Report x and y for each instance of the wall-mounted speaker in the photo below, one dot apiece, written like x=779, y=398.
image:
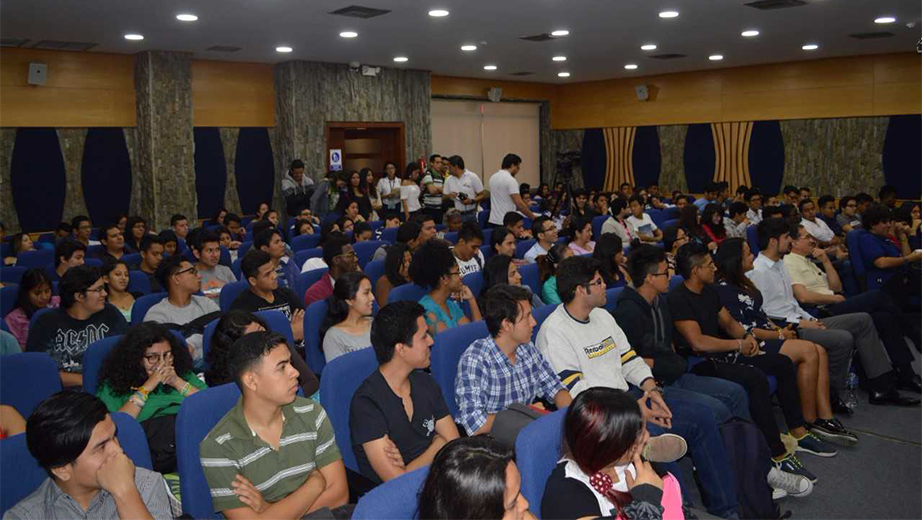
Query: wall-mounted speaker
x=495, y=94
x=38, y=73
x=643, y=92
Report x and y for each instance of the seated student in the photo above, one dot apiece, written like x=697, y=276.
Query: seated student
x=906, y=218
x=580, y=236
x=347, y=326
x=21, y=243
x=396, y=271
x=83, y=230
x=152, y=250
x=885, y=262
x=515, y=223
x=361, y=232
x=64, y=230
x=231, y=327
x=474, y=477
x=225, y=240
x=148, y=375
x=67, y=253
x=504, y=367
x=34, y=295
x=712, y=223
x=390, y=221
x=467, y=250
x=410, y=234
x=398, y=418
x=609, y=251
x=295, y=429
x=134, y=230
x=680, y=200
x=270, y=241
x=454, y=220
x=586, y=348
x=340, y=256
x=601, y=473
x=427, y=227
x=847, y=217
x=818, y=228
x=115, y=274
x=502, y=242
x=602, y=206
x=265, y=294
x=207, y=249
x=743, y=301
x=501, y=269
x=736, y=226
x=839, y=335
x=272, y=216
x=812, y=286
x=673, y=238
x=234, y=225
x=702, y=323
x=434, y=267
x=180, y=225
x=218, y=219
x=303, y=226
x=547, y=272
x=545, y=235
x=643, y=315
x=826, y=207
x=617, y=223
x=113, y=242
x=345, y=223
x=83, y=318
x=183, y=308
x=640, y=223
x=753, y=199
x=169, y=241
x=72, y=437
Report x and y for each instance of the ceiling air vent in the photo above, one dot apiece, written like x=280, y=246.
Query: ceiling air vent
x=871, y=35
x=538, y=37
x=358, y=11
x=223, y=48
x=768, y=5
x=672, y=56
x=13, y=42
x=522, y=73
x=63, y=46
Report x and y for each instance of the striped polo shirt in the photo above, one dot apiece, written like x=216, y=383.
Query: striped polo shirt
x=232, y=447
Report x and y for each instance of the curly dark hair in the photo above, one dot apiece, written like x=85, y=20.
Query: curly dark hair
x=228, y=330
x=431, y=262
x=123, y=368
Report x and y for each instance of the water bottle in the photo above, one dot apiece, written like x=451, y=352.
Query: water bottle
x=851, y=390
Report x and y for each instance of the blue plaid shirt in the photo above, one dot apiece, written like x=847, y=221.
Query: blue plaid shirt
x=487, y=382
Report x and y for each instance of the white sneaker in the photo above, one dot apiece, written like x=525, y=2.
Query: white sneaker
x=793, y=485
x=778, y=493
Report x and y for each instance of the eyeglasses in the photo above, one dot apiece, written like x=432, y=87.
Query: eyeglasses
x=664, y=273
x=192, y=270
x=100, y=289
x=596, y=283
x=454, y=273
x=153, y=359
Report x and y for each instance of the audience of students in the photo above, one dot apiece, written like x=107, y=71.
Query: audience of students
x=34, y=295
x=434, y=267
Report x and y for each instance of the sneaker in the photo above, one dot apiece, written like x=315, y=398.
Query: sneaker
x=791, y=464
x=667, y=447
x=778, y=493
x=831, y=430
x=790, y=484
x=812, y=444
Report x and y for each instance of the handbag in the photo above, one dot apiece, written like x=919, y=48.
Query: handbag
x=508, y=423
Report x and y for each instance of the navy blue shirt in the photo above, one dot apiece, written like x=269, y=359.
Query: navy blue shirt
x=873, y=247
x=833, y=224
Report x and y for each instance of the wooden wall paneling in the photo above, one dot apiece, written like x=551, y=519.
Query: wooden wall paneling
x=229, y=94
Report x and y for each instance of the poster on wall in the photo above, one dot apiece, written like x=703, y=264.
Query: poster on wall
x=336, y=159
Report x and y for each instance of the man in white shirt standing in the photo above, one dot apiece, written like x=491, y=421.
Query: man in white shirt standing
x=504, y=191
x=464, y=187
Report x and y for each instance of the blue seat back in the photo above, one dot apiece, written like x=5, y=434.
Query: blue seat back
x=853, y=241
x=531, y=277
x=389, y=235
x=37, y=258
x=365, y=250
x=306, y=280
x=451, y=236
x=302, y=255
x=375, y=224
x=523, y=246
x=93, y=359
x=94, y=262
x=20, y=474
x=302, y=242
x=752, y=238
x=447, y=351
x=244, y=247
x=26, y=380
x=612, y=296
x=669, y=223
x=207, y=334
x=277, y=323
x=132, y=258
x=658, y=216
x=235, y=267
x=143, y=304
x=474, y=281
x=597, y=226
x=487, y=235
x=38, y=313
x=406, y=292
x=537, y=450
x=138, y=282
x=337, y=386
x=230, y=292
x=199, y=413
x=8, y=296
x=487, y=251
x=540, y=314
x=397, y=498
x=11, y=274
x=482, y=217
x=675, y=281
x=225, y=258
x=374, y=270
x=313, y=319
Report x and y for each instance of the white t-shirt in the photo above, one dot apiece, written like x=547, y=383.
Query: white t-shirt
x=468, y=184
x=386, y=187
x=641, y=226
x=818, y=229
x=410, y=193
x=502, y=187
x=473, y=265
x=531, y=256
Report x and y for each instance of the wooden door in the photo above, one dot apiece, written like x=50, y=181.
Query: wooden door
x=367, y=144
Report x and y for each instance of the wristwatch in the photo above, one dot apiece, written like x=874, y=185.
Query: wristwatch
x=657, y=389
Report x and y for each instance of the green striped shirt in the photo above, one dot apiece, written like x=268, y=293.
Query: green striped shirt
x=232, y=447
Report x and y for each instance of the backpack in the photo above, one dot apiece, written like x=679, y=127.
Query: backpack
x=750, y=461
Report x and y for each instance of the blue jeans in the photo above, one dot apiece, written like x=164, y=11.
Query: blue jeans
x=725, y=398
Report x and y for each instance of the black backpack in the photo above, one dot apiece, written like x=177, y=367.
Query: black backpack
x=750, y=461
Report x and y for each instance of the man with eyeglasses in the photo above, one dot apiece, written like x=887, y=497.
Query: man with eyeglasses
x=182, y=308
x=83, y=318
x=83, y=230
x=753, y=198
x=545, y=231
x=341, y=259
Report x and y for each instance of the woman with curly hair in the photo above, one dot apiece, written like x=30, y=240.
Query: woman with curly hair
x=148, y=375
x=434, y=267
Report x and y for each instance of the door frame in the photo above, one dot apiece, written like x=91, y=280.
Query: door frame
x=400, y=126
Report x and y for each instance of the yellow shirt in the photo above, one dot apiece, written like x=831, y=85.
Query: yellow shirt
x=803, y=271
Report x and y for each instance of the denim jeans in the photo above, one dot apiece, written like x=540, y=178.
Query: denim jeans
x=724, y=398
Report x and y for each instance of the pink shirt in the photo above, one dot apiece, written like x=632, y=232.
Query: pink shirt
x=582, y=251
x=19, y=325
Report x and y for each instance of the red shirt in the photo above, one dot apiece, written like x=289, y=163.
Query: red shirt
x=321, y=290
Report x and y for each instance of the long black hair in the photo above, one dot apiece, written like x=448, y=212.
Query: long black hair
x=393, y=263
x=729, y=262
x=133, y=243
x=496, y=270
x=229, y=329
x=707, y=219
x=347, y=286
x=32, y=278
x=123, y=368
x=606, y=248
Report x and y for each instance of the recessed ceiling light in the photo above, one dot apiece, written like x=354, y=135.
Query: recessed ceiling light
x=134, y=37
x=348, y=34
x=489, y=67
x=401, y=59
x=630, y=66
x=885, y=19
x=715, y=57
x=750, y=33
x=563, y=74
x=560, y=32
x=810, y=47
x=669, y=14
x=438, y=13
x=468, y=48
x=559, y=58
x=648, y=47
x=283, y=49
x=186, y=17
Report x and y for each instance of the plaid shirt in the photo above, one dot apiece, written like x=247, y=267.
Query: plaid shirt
x=487, y=382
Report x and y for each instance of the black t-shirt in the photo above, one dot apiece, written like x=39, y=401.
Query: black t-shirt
x=376, y=411
x=703, y=308
x=66, y=339
x=285, y=301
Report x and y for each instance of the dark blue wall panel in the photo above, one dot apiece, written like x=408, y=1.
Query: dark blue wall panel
x=254, y=169
x=593, y=162
x=700, y=158
x=210, y=171
x=901, y=157
x=646, y=157
x=106, y=175
x=38, y=179
x=766, y=157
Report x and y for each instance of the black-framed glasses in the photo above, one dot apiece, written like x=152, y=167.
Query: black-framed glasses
x=454, y=273
x=153, y=359
x=100, y=289
x=192, y=270
x=347, y=254
x=596, y=283
x=664, y=273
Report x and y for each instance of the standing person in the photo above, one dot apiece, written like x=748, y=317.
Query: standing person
x=340, y=256
x=398, y=419
x=370, y=185
x=151, y=255
x=34, y=295
x=435, y=268
x=180, y=225
x=409, y=191
x=297, y=188
x=67, y=253
x=356, y=192
x=326, y=197
x=115, y=274
x=432, y=185
x=546, y=234
x=504, y=191
x=347, y=326
x=265, y=294
x=83, y=318
x=389, y=190
x=396, y=271
x=464, y=188
x=467, y=250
